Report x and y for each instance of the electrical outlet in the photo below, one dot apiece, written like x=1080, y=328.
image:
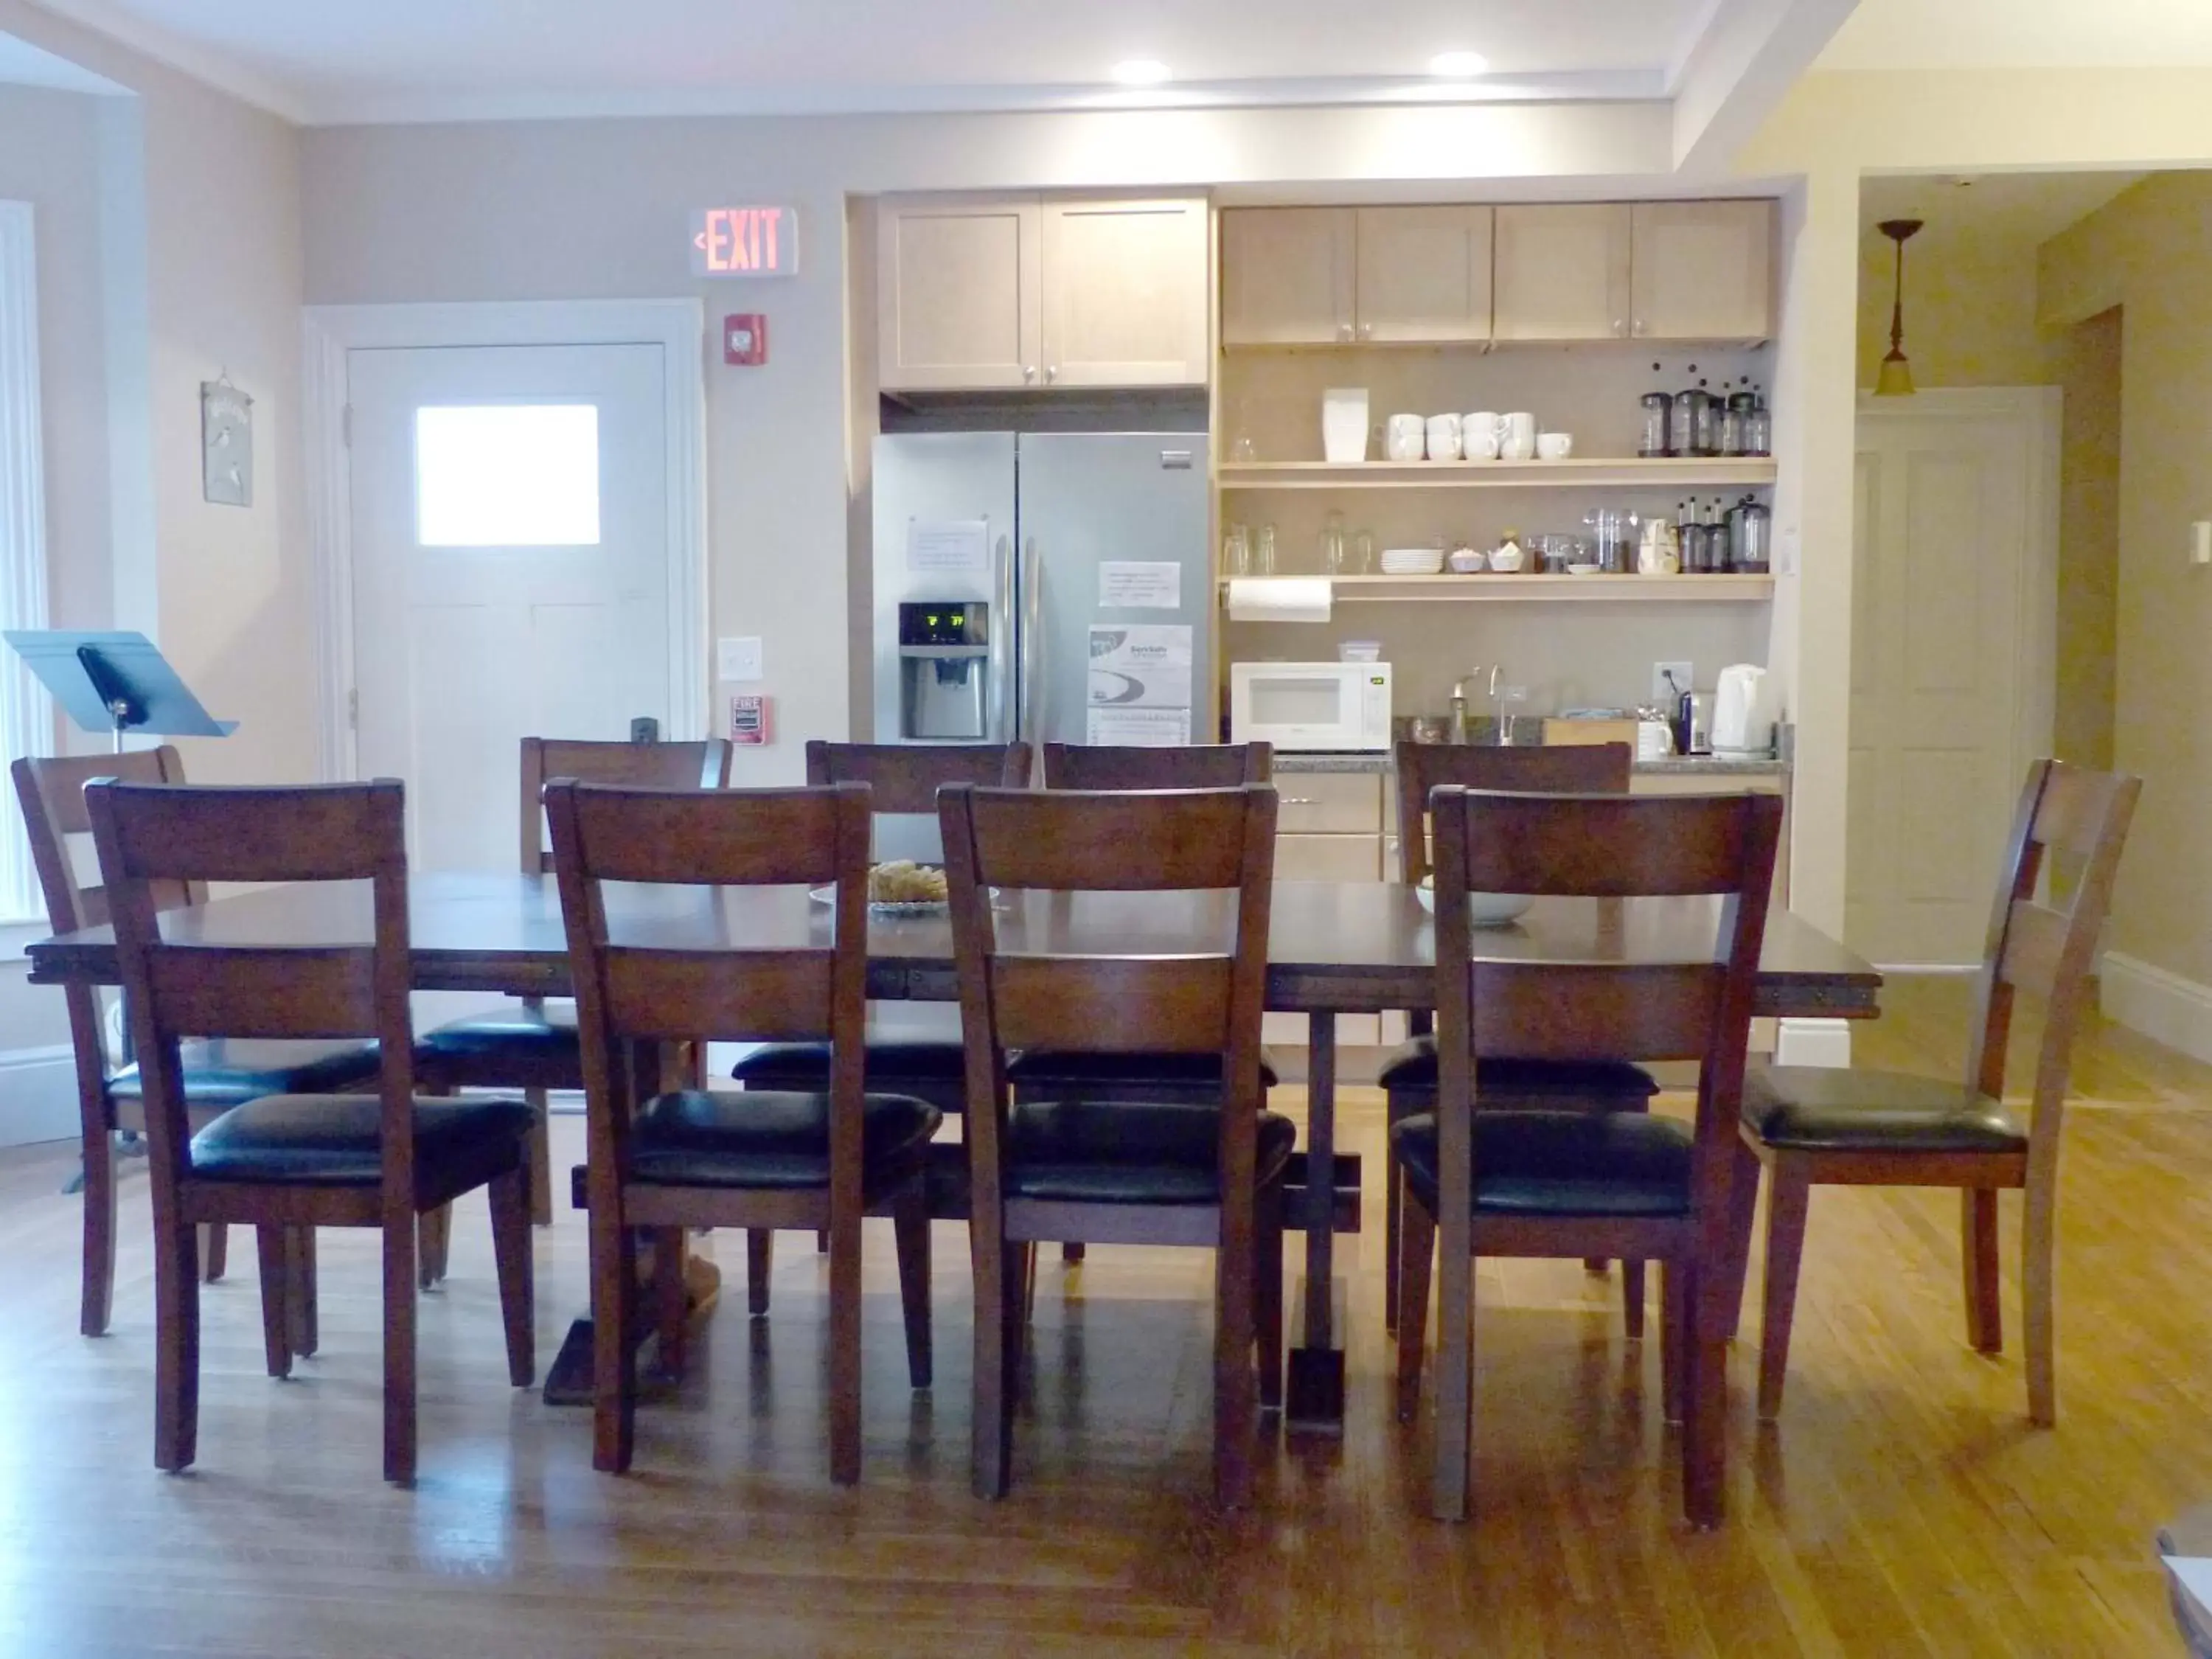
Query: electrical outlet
x=1684, y=674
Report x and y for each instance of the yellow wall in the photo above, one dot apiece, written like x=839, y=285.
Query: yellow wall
x=2147, y=249
x=1969, y=309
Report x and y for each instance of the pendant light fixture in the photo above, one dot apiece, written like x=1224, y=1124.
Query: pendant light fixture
x=1895, y=379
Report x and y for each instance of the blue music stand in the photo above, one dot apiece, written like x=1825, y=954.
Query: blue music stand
x=115, y=683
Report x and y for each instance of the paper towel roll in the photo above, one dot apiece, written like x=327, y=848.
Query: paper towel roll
x=1279, y=599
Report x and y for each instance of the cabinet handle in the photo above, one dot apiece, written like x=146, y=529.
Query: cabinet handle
x=1619, y=326
x=1028, y=371
x=1301, y=800
x=1639, y=325
x=1367, y=331
x=1344, y=330
x=1051, y=373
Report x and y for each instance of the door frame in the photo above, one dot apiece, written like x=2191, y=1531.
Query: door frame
x=2035, y=620
x=329, y=332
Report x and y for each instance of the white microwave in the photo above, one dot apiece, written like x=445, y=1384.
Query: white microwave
x=1310, y=704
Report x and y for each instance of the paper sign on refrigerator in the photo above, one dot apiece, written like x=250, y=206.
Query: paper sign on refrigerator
x=948, y=547
x=1141, y=666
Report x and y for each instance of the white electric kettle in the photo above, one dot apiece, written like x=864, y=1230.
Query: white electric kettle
x=1745, y=709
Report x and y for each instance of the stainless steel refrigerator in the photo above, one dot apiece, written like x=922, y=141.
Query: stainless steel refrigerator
x=1053, y=587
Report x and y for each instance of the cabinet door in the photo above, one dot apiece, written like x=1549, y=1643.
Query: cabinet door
x=1424, y=273
x=1562, y=273
x=1125, y=287
x=1287, y=276
x=1705, y=271
x=958, y=292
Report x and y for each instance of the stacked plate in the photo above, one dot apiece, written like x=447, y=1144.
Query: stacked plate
x=1412, y=561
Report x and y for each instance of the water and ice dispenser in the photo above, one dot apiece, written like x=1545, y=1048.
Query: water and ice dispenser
x=944, y=670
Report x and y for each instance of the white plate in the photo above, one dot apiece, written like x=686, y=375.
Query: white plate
x=1491, y=909
x=912, y=908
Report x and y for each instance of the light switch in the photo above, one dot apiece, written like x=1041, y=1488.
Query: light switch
x=2200, y=542
x=737, y=659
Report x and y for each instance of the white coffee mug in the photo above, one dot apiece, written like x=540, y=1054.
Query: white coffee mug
x=1517, y=436
x=1443, y=437
x=1554, y=445
x=1404, y=438
x=1478, y=436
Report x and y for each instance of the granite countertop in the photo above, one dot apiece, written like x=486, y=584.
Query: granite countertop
x=1681, y=765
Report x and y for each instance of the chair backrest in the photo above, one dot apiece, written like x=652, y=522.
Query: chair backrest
x=150, y=834
x=2047, y=949
x=698, y=977
x=701, y=765
x=1597, y=769
x=1690, y=1005
x=905, y=777
x=1125, y=995
x=1191, y=766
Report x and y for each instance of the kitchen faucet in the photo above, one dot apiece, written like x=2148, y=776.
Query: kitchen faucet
x=1460, y=732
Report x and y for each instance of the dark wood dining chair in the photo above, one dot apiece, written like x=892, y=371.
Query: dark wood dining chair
x=761, y=1159
x=217, y=1072
x=530, y=1044
x=1088, y=1165
x=1046, y=1074
x=1566, y=1180
x=295, y=1161
x=1409, y=1073
x=1856, y=1126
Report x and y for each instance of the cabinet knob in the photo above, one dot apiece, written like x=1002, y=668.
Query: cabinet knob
x=1344, y=330
x=1052, y=374
x=1028, y=371
x=1639, y=325
x=1619, y=326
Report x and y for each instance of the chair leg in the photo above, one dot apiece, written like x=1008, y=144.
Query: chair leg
x=510, y=1198
x=2040, y=1295
x=1393, y=1202
x=671, y=1308
x=1072, y=1251
x=1267, y=1298
x=1673, y=1339
x=275, y=1249
x=990, y=1448
x=177, y=1346
x=910, y=1233
x=1743, y=1217
x=215, y=1254
x=1631, y=1299
x=435, y=1234
x=98, y=1295
x=845, y=1349
x=1455, y=1447
x=541, y=1158
x=399, y=1309
x=1788, y=1195
x=821, y=1241
x=1235, y=1398
x=1417, y=1251
x=760, y=1262
x=614, y=1357
x=1704, y=1385
x=302, y=1310
x=1978, y=1224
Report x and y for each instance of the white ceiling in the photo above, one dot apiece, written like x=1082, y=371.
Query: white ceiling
x=2026, y=209
x=2023, y=34
x=22, y=64
x=340, y=60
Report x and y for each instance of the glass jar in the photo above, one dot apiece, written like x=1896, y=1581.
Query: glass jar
x=1333, y=546
x=1236, y=552
x=1263, y=551
x=1658, y=412
x=1734, y=419
x=1693, y=430
x=1758, y=427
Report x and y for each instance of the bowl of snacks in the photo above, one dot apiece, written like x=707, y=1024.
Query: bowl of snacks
x=899, y=888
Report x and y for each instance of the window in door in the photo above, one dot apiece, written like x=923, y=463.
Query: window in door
x=507, y=475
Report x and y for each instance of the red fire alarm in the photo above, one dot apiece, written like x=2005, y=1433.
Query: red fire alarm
x=744, y=339
x=752, y=720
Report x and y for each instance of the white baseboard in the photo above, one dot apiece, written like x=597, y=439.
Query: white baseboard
x=37, y=1096
x=2162, y=1006
x=1813, y=1043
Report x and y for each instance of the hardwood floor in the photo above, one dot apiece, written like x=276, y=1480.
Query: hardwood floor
x=1901, y=1506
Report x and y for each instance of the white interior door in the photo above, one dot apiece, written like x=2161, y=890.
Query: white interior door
x=510, y=570
x=1944, y=664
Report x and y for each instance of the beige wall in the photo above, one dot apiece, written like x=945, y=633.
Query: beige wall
x=1969, y=309
x=2146, y=249
x=2089, y=374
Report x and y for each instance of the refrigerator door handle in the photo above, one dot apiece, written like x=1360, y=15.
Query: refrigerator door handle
x=1002, y=719
x=1031, y=724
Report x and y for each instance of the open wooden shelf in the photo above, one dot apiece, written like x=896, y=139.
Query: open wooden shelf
x=1576, y=473
x=1635, y=590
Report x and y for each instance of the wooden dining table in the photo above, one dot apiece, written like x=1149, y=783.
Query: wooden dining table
x=1334, y=948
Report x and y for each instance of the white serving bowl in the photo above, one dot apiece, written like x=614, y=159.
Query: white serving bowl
x=1490, y=910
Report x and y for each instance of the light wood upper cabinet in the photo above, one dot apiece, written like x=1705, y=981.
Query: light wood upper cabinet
x=1288, y=276
x=1125, y=292
x=1562, y=272
x=1423, y=274
x=959, y=293
x=1705, y=271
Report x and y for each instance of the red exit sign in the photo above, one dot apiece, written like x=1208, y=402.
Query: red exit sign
x=745, y=241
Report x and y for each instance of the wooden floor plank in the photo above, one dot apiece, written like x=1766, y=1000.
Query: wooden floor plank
x=1901, y=1506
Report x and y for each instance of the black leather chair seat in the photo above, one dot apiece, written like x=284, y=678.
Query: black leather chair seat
x=806, y=1066
x=1093, y=1152
x=1508, y=1085
x=1561, y=1164
x=769, y=1137
x=222, y=1071
x=517, y=1030
x=332, y=1140
x=1041, y=1070
x=1819, y=1108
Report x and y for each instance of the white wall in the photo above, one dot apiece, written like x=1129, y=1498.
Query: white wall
x=598, y=209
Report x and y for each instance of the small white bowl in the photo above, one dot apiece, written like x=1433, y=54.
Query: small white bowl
x=1583, y=569
x=1490, y=910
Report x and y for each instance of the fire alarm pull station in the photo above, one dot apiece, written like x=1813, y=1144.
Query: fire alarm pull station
x=752, y=720
x=744, y=339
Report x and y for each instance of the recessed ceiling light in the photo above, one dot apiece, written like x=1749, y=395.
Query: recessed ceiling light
x=1141, y=72
x=1458, y=65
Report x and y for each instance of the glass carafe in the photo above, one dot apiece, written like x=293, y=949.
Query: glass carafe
x=1333, y=546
